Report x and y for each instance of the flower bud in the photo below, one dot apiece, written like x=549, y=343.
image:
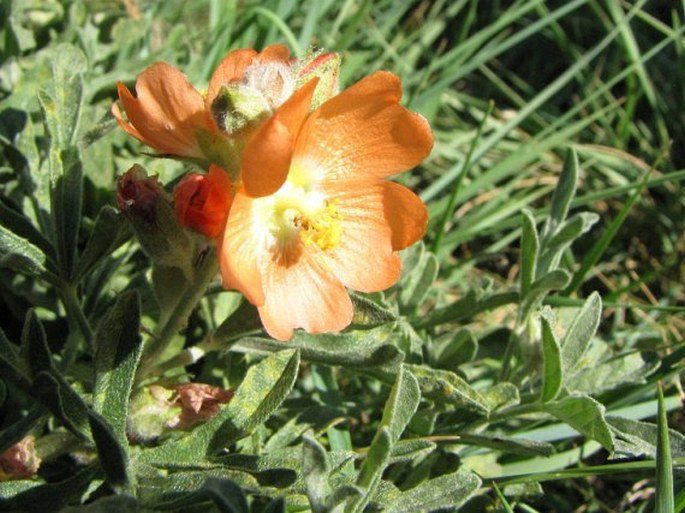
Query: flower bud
x=325, y=66
x=150, y=412
x=148, y=208
x=19, y=461
x=199, y=402
x=202, y=202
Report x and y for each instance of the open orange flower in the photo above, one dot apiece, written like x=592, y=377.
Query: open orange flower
x=171, y=116
x=315, y=214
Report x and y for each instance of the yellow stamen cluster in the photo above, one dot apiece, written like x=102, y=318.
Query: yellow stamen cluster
x=324, y=229
x=298, y=215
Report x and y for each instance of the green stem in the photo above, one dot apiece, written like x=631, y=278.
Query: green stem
x=78, y=325
x=177, y=319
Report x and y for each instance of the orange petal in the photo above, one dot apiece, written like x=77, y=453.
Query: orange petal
x=240, y=248
x=406, y=214
x=363, y=132
x=266, y=159
x=303, y=295
x=276, y=52
x=364, y=259
x=166, y=112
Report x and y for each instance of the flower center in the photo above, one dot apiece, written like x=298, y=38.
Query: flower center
x=295, y=215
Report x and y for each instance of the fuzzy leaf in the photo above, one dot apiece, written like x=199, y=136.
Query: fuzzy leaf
x=20, y=255
x=585, y=415
x=265, y=387
x=356, y=349
x=118, y=346
x=446, y=387
x=110, y=231
x=552, y=374
x=580, y=333
x=399, y=408
x=664, y=461
x=530, y=245
x=563, y=193
x=112, y=454
x=448, y=491
x=66, y=200
x=315, y=470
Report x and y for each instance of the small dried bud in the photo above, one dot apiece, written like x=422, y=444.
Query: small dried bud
x=19, y=461
x=137, y=193
x=199, y=402
x=202, y=202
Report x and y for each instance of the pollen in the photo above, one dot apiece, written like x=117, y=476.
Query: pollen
x=304, y=217
x=323, y=230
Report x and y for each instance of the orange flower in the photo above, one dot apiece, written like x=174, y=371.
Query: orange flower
x=171, y=116
x=315, y=214
x=202, y=202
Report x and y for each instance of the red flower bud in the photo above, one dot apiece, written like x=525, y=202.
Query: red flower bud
x=202, y=202
x=137, y=193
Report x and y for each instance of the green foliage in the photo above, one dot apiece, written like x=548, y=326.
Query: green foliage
x=519, y=353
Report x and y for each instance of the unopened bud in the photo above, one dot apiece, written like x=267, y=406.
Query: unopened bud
x=325, y=66
x=149, y=209
x=202, y=202
x=19, y=461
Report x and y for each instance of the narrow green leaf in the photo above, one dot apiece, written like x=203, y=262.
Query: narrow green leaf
x=502, y=499
x=118, y=347
x=580, y=333
x=448, y=388
x=315, y=470
x=113, y=456
x=454, y=350
x=552, y=371
x=227, y=496
x=14, y=368
x=507, y=444
x=109, y=232
x=637, y=439
x=563, y=194
x=376, y=460
x=109, y=504
x=449, y=491
x=64, y=403
x=566, y=234
x=62, y=99
x=34, y=345
x=368, y=313
x=21, y=226
x=540, y=288
x=18, y=254
x=66, y=201
x=419, y=281
x=360, y=349
x=530, y=246
x=585, y=415
x=12, y=434
x=51, y=496
x=399, y=408
x=664, y=464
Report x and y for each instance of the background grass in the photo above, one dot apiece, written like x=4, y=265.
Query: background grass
x=509, y=88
